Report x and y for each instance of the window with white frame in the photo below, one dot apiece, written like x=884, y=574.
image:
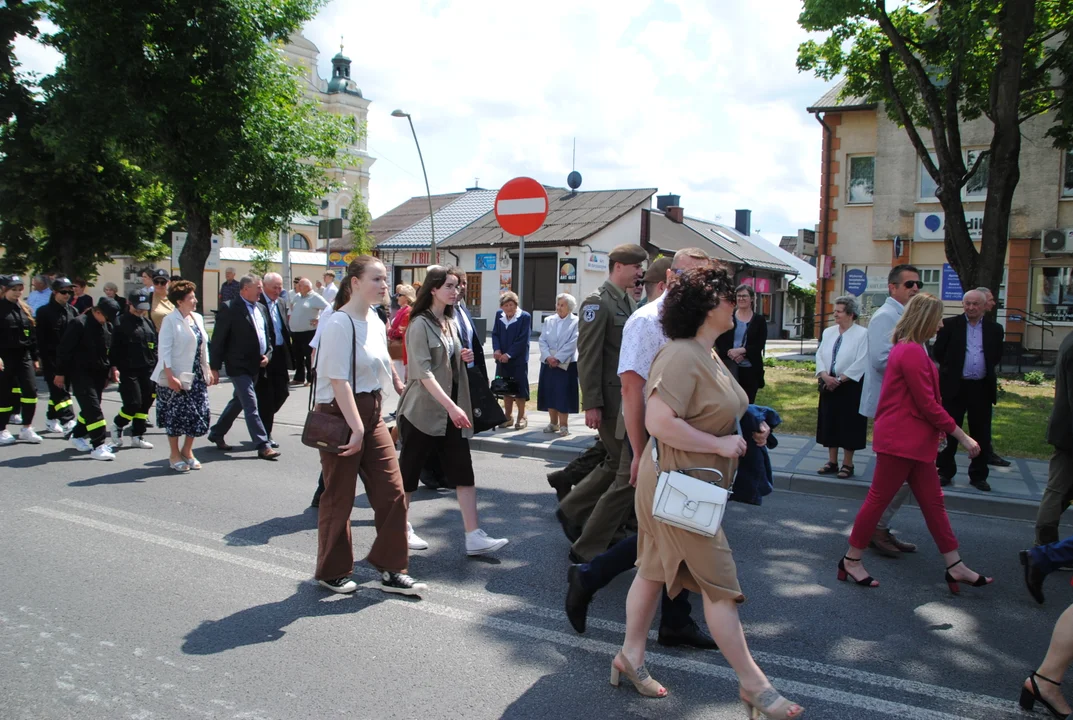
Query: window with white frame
x=1067, y=175
x=976, y=187
x=932, y=277
x=928, y=186
x=862, y=179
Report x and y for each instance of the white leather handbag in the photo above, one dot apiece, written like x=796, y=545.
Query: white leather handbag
x=687, y=502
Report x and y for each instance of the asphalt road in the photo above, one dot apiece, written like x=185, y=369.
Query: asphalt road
x=128, y=592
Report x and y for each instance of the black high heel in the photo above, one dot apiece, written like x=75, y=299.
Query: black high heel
x=843, y=574
x=1030, y=697
x=953, y=582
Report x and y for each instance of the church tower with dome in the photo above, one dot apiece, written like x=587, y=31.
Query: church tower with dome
x=342, y=96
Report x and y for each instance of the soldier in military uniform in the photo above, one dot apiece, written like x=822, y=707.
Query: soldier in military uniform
x=602, y=316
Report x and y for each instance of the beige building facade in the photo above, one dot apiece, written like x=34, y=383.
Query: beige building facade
x=877, y=199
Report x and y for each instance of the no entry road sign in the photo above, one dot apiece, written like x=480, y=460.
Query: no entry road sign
x=521, y=206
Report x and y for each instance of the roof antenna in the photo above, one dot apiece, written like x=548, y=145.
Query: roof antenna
x=574, y=178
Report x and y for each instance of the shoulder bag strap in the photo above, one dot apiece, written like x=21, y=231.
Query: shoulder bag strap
x=353, y=365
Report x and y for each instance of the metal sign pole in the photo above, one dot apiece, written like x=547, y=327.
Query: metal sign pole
x=521, y=272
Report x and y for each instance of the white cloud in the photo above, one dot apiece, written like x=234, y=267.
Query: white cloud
x=698, y=98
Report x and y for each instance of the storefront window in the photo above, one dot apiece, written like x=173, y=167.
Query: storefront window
x=1052, y=293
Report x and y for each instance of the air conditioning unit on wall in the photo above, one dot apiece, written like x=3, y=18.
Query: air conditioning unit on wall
x=1057, y=242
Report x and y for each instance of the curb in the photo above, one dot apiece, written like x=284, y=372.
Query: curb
x=969, y=502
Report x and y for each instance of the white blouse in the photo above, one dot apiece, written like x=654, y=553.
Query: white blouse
x=852, y=355
x=372, y=364
x=558, y=339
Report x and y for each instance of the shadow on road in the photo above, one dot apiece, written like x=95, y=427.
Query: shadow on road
x=267, y=623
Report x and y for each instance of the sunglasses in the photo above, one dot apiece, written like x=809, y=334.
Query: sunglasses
x=910, y=284
x=63, y=292
x=160, y=282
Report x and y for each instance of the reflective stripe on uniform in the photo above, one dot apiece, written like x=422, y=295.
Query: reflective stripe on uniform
x=81, y=419
x=62, y=405
x=30, y=401
x=16, y=391
x=6, y=410
x=125, y=416
x=141, y=416
x=94, y=426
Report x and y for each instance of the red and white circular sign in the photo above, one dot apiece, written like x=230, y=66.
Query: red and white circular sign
x=521, y=206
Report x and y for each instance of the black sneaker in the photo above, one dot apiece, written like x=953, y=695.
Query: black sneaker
x=400, y=584
x=340, y=585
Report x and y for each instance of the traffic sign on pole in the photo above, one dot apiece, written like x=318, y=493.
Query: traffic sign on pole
x=521, y=208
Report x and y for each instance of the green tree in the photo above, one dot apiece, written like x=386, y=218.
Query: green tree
x=64, y=210
x=362, y=241
x=200, y=93
x=934, y=66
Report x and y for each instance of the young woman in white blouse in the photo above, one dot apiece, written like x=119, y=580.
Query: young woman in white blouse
x=841, y=360
x=352, y=367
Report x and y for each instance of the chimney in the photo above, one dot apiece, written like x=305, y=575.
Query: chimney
x=743, y=222
x=665, y=201
x=675, y=213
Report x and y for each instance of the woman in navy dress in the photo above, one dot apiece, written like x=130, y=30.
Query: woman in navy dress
x=557, y=389
x=510, y=343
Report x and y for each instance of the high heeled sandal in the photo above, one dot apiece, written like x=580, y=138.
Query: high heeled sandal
x=642, y=681
x=844, y=575
x=1030, y=697
x=952, y=582
x=770, y=704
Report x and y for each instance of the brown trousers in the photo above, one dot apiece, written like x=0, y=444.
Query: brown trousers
x=379, y=466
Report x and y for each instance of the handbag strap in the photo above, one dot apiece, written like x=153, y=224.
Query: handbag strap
x=353, y=367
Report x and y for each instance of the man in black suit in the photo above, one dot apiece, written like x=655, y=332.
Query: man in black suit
x=273, y=387
x=241, y=341
x=968, y=348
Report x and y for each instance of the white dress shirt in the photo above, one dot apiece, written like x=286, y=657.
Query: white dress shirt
x=258, y=324
x=642, y=339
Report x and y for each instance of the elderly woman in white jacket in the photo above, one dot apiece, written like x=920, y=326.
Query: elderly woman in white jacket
x=557, y=391
x=182, y=376
x=840, y=363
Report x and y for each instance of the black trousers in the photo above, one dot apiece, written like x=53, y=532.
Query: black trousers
x=302, y=354
x=88, y=389
x=620, y=558
x=60, y=404
x=749, y=379
x=18, y=388
x=973, y=398
x=137, y=392
x=272, y=389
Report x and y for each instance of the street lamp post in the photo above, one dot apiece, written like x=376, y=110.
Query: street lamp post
x=431, y=222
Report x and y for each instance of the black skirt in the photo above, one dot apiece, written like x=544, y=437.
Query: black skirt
x=839, y=423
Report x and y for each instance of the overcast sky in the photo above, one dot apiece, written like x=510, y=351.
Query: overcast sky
x=697, y=98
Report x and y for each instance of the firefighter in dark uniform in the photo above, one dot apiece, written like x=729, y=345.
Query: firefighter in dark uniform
x=601, y=317
x=52, y=319
x=84, y=358
x=18, y=356
x=134, y=355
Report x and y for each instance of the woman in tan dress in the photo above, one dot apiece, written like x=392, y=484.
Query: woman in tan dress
x=692, y=413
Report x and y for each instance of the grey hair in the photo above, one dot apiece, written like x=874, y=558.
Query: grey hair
x=246, y=280
x=985, y=290
x=41, y=279
x=571, y=301
x=111, y=286
x=272, y=276
x=229, y=270
x=849, y=304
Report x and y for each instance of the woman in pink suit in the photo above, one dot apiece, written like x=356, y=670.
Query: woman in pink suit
x=910, y=421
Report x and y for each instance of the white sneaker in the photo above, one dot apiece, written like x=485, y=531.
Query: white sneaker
x=69, y=426
x=478, y=543
x=116, y=436
x=6, y=438
x=81, y=444
x=137, y=442
x=15, y=419
x=413, y=540
x=54, y=426
x=102, y=452
x=29, y=436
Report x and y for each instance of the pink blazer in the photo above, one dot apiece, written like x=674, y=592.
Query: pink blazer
x=910, y=419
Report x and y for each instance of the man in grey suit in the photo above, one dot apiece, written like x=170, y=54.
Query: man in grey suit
x=903, y=282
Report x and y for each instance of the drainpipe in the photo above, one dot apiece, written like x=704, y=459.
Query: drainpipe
x=825, y=220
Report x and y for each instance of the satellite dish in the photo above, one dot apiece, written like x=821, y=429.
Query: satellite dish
x=574, y=180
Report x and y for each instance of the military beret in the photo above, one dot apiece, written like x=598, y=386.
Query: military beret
x=628, y=254
x=657, y=270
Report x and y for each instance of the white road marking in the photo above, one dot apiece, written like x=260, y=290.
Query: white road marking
x=501, y=602
x=791, y=688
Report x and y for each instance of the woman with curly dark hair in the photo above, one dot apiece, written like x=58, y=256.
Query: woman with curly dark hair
x=692, y=414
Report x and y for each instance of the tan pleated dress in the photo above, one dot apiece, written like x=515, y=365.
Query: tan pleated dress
x=695, y=383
